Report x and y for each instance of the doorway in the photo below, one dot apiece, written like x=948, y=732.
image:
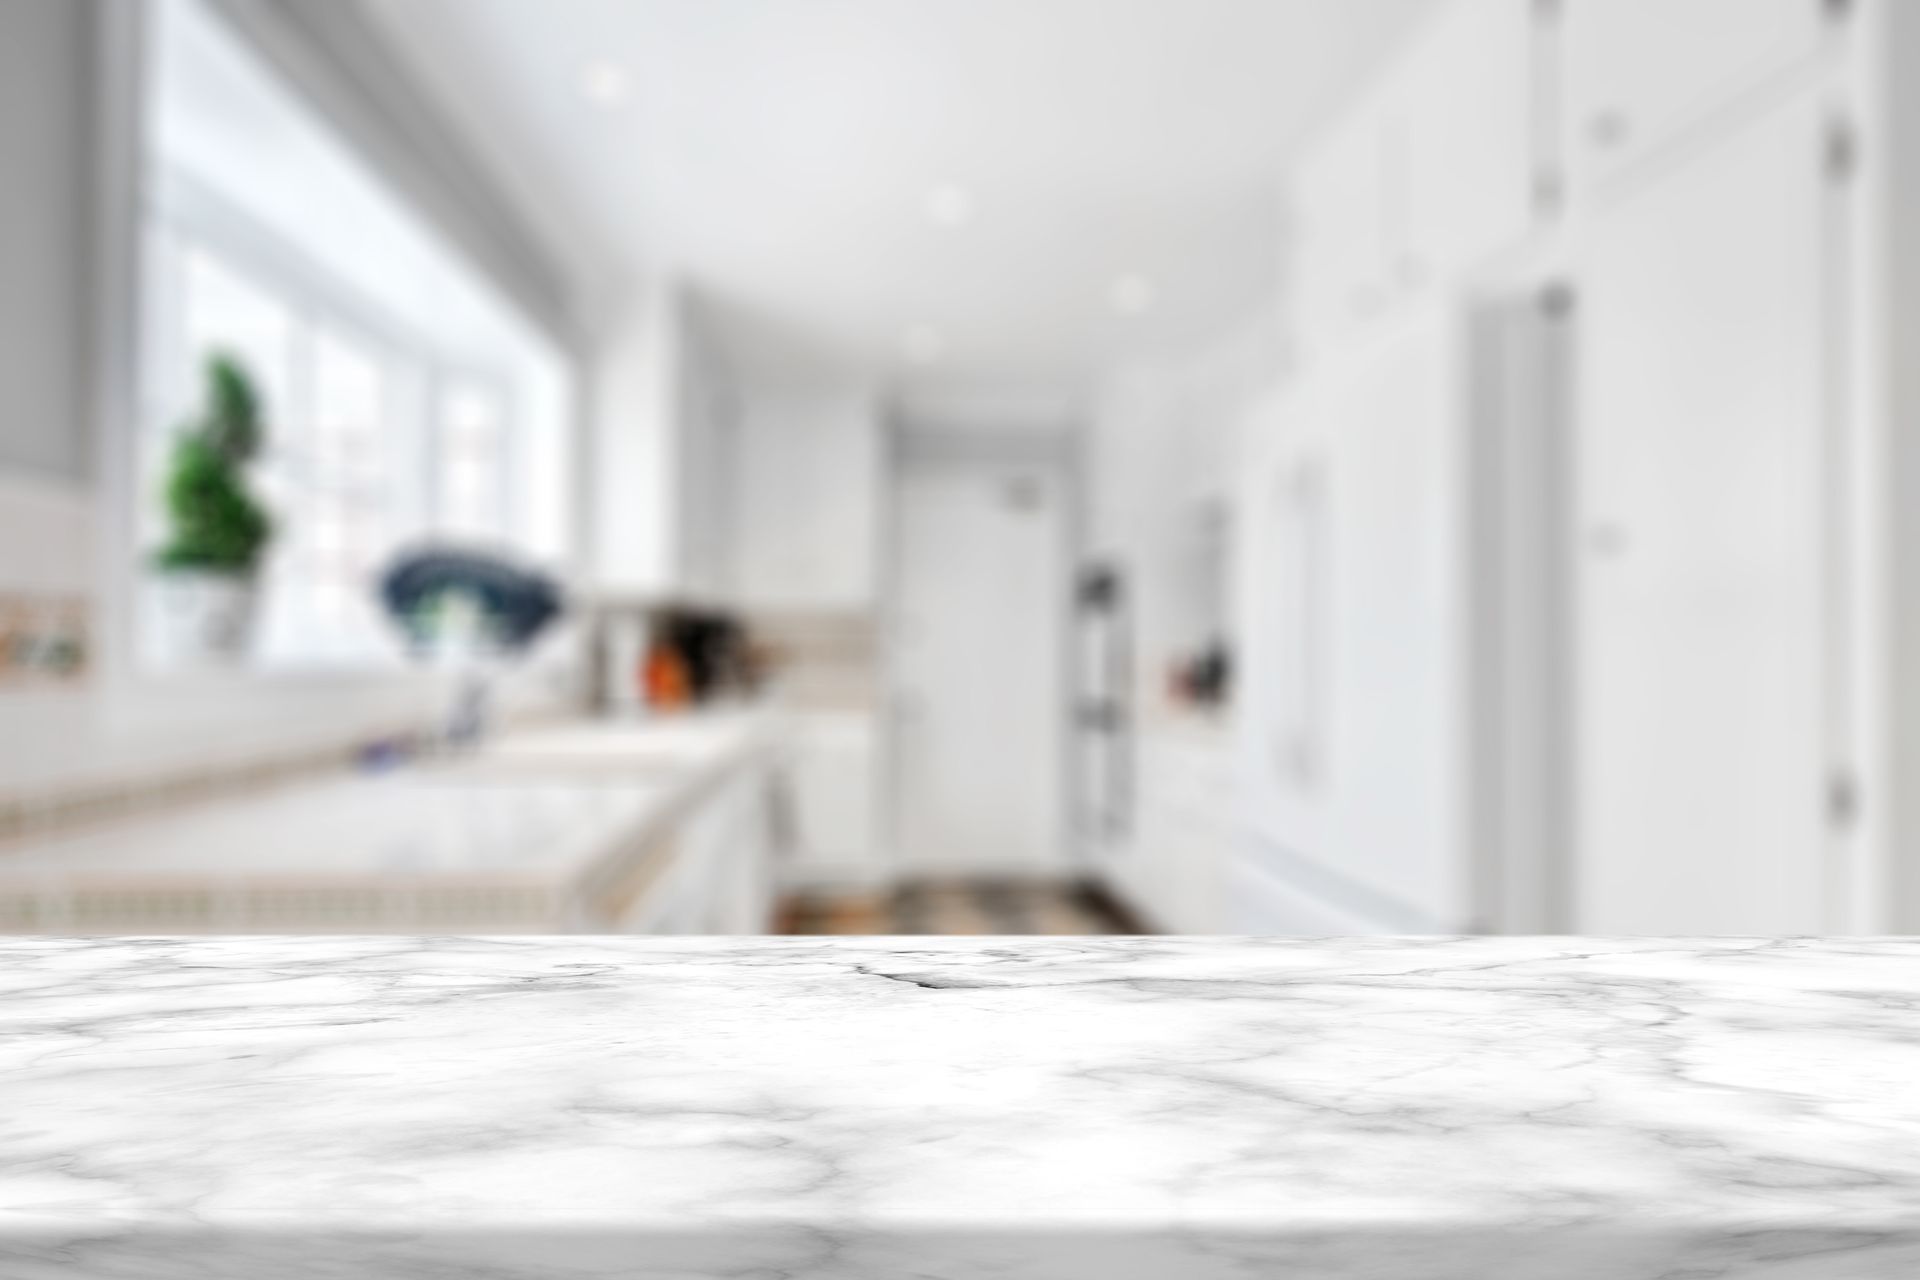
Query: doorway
x=978, y=656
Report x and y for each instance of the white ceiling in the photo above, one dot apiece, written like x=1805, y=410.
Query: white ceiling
x=778, y=155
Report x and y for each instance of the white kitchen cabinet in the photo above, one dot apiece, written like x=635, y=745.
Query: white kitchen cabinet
x=716, y=873
x=1662, y=713
x=1355, y=737
x=1394, y=559
x=1263, y=903
x=1170, y=870
x=834, y=802
x=1639, y=73
x=1283, y=574
x=1343, y=248
x=661, y=448
x=1199, y=800
x=804, y=509
x=1467, y=97
x=726, y=853
x=1426, y=175
x=1135, y=868
x=1705, y=357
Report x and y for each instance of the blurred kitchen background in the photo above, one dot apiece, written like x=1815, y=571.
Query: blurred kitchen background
x=960, y=466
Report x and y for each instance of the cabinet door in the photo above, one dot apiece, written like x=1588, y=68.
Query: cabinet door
x=1283, y=624
x=1468, y=107
x=1639, y=71
x=803, y=503
x=832, y=779
x=1343, y=258
x=1203, y=795
x=1395, y=596
x=1353, y=738
x=1700, y=454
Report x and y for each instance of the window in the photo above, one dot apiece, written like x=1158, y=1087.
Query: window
x=226, y=311
x=472, y=439
x=346, y=510
x=372, y=440
x=407, y=391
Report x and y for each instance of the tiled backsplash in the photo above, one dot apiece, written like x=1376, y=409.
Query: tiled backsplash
x=45, y=640
x=46, y=581
x=824, y=660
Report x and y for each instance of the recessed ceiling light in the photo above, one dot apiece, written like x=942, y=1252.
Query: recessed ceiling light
x=922, y=344
x=950, y=205
x=1132, y=295
x=606, y=83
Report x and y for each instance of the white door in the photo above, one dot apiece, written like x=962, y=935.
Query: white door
x=982, y=600
x=1700, y=423
x=1639, y=71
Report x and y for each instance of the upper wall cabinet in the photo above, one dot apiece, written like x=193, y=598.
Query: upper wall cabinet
x=1638, y=73
x=804, y=507
x=1468, y=102
x=1343, y=245
x=1425, y=177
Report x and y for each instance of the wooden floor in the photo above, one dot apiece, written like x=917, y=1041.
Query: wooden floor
x=962, y=908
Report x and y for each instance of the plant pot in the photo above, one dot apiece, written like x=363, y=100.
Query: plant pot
x=202, y=618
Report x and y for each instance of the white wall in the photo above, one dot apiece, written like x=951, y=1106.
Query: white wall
x=45, y=132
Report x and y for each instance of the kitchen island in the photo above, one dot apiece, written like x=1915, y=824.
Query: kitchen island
x=1121, y=1109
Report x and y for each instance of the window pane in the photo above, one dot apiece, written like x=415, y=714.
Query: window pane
x=471, y=481
x=350, y=418
x=228, y=314
x=345, y=507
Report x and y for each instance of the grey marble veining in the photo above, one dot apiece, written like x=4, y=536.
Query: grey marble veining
x=573, y=1109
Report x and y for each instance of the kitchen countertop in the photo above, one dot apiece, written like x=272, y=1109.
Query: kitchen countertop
x=427, y=822
x=582, y=1109
x=517, y=835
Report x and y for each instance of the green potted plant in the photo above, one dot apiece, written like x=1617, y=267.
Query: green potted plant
x=208, y=568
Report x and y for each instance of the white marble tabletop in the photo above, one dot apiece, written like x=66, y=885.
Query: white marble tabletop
x=583, y=1109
